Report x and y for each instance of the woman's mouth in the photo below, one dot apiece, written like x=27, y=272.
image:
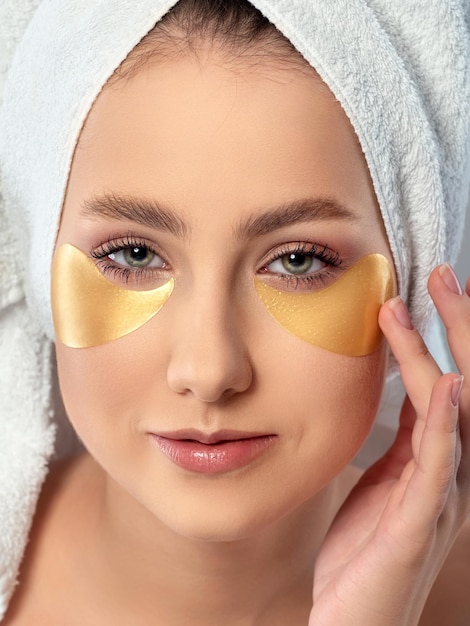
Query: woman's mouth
x=213, y=453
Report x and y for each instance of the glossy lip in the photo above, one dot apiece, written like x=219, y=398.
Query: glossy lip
x=212, y=453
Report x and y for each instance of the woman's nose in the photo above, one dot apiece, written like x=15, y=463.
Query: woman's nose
x=209, y=358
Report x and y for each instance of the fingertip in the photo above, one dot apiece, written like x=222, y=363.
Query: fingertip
x=456, y=390
x=447, y=391
x=444, y=279
x=384, y=310
x=400, y=312
x=434, y=279
x=386, y=316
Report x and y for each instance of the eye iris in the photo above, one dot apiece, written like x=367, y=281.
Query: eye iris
x=297, y=263
x=138, y=256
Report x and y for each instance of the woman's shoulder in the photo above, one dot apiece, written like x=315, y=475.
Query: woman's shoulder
x=56, y=514
x=449, y=601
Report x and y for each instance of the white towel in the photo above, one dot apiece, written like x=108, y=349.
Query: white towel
x=399, y=69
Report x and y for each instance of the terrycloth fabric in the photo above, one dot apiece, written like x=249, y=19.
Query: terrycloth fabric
x=399, y=69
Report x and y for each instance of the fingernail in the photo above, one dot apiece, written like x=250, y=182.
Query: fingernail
x=450, y=279
x=455, y=390
x=400, y=312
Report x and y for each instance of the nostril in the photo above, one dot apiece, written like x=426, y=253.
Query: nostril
x=209, y=361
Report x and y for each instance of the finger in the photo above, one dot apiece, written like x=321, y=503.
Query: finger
x=409, y=433
x=418, y=369
x=436, y=461
x=390, y=465
x=453, y=306
x=409, y=418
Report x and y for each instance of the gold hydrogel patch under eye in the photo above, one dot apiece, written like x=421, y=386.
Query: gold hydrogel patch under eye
x=89, y=310
x=341, y=318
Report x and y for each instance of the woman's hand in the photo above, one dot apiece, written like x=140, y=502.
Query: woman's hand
x=390, y=539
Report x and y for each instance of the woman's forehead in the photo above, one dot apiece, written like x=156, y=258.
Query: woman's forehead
x=197, y=135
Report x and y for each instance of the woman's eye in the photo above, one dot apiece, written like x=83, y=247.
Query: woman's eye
x=136, y=257
x=296, y=264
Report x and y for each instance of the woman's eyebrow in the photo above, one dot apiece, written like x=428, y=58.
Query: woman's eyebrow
x=154, y=215
x=289, y=213
x=140, y=210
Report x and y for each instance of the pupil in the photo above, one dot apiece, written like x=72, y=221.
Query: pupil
x=296, y=259
x=297, y=263
x=139, y=254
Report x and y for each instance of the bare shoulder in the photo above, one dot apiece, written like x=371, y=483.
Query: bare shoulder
x=57, y=514
x=449, y=601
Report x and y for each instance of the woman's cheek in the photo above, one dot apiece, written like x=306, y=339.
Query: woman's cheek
x=360, y=397
x=99, y=388
x=344, y=405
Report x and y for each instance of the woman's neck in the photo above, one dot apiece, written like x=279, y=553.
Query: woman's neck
x=128, y=567
x=245, y=581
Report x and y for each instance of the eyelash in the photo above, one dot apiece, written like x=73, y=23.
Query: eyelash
x=320, y=252
x=119, y=272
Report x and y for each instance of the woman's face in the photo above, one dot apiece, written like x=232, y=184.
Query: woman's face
x=215, y=151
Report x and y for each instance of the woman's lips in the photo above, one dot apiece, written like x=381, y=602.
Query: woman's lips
x=212, y=454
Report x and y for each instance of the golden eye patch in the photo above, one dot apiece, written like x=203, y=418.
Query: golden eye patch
x=341, y=318
x=89, y=310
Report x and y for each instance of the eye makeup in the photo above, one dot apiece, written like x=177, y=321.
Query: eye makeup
x=302, y=266
x=341, y=318
x=89, y=310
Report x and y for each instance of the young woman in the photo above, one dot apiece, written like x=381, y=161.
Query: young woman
x=228, y=256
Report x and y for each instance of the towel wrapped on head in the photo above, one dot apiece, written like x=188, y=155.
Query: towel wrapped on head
x=399, y=70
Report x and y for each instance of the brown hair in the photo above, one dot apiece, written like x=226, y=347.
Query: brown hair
x=233, y=27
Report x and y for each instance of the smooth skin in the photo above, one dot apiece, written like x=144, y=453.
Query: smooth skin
x=122, y=535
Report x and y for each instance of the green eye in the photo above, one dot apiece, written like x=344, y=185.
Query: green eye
x=296, y=263
x=137, y=256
